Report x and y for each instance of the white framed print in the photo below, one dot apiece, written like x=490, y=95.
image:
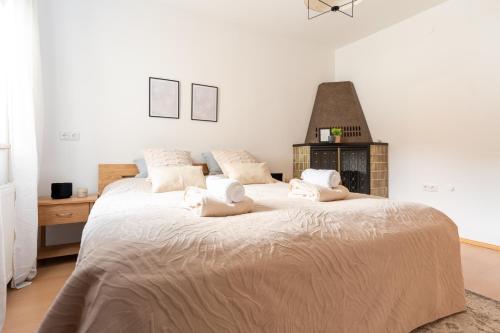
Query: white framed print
x=204, y=102
x=324, y=134
x=164, y=98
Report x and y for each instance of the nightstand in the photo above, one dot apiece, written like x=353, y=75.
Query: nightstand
x=57, y=212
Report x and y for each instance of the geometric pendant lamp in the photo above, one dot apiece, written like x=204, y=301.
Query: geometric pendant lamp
x=316, y=8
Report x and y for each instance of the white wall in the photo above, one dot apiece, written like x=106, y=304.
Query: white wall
x=97, y=56
x=430, y=86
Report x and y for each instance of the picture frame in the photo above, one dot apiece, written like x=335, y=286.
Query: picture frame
x=204, y=102
x=164, y=98
x=324, y=133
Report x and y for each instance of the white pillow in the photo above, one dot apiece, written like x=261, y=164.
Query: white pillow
x=156, y=157
x=176, y=178
x=249, y=173
x=224, y=157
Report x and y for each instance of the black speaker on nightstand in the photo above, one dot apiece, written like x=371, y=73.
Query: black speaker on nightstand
x=277, y=176
x=61, y=190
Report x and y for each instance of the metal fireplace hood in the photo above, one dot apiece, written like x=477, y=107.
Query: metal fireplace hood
x=337, y=105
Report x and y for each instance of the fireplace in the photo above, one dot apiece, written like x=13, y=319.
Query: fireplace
x=363, y=164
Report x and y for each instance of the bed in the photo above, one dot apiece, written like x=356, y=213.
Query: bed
x=364, y=264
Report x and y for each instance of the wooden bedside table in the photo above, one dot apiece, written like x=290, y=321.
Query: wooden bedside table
x=61, y=211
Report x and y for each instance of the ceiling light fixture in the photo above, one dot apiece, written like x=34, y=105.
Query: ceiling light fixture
x=322, y=7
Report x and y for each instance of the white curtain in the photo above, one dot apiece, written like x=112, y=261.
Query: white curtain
x=19, y=91
x=3, y=282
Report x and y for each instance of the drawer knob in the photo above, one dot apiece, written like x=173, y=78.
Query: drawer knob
x=64, y=214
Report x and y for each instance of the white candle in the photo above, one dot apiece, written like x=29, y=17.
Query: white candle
x=81, y=192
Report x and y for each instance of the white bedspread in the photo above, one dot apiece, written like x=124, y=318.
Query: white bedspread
x=359, y=265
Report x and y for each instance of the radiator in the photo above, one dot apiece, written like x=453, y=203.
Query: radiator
x=7, y=217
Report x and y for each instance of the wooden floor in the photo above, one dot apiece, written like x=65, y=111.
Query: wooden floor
x=481, y=270
x=26, y=307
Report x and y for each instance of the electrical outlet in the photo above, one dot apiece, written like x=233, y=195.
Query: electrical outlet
x=64, y=136
x=69, y=136
x=75, y=136
x=431, y=188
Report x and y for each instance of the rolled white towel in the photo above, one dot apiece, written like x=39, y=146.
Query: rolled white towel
x=225, y=189
x=204, y=204
x=325, y=178
x=304, y=190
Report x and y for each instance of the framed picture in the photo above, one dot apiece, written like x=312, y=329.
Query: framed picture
x=324, y=133
x=163, y=98
x=204, y=102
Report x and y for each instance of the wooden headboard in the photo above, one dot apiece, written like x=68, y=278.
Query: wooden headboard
x=109, y=173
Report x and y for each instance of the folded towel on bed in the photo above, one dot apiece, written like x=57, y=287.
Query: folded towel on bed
x=205, y=204
x=225, y=189
x=325, y=178
x=305, y=190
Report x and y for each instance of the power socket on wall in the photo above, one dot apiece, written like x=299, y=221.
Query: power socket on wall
x=431, y=188
x=69, y=136
x=436, y=188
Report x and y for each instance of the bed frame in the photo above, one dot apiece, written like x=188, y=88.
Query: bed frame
x=109, y=173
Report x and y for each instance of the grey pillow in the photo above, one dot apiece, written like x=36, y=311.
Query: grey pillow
x=213, y=166
x=143, y=169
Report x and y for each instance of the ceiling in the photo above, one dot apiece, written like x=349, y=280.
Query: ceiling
x=289, y=17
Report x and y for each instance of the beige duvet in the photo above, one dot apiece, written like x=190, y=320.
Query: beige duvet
x=359, y=265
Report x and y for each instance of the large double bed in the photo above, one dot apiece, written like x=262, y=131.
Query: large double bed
x=365, y=264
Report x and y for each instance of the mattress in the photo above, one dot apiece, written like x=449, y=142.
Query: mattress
x=365, y=264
